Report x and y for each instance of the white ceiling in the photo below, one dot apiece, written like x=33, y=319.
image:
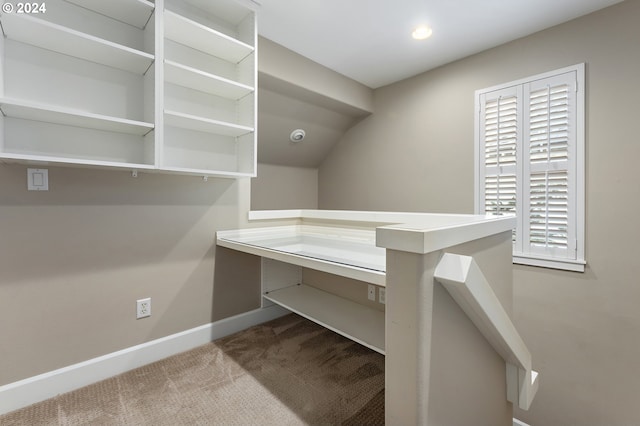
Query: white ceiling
x=370, y=40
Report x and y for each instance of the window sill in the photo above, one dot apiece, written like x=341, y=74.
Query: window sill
x=564, y=264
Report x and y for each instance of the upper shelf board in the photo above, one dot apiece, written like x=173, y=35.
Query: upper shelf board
x=68, y=161
x=57, y=38
x=132, y=12
x=195, y=35
x=206, y=125
x=68, y=117
x=192, y=78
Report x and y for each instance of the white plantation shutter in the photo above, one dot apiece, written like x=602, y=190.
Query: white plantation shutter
x=499, y=141
x=530, y=162
x=550, y=172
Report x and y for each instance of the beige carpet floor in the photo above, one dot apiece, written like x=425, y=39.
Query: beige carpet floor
x=289, y=371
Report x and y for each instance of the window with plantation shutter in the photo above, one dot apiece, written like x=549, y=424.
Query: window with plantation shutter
x=530, y=162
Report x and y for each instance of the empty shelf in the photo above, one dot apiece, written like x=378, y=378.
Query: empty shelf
x=68, y=117
x=207, y=40
x=350, y=319
x=201, y=124
x=204, y=172
x=52, y=159
x=50, y=36
x=192, y=78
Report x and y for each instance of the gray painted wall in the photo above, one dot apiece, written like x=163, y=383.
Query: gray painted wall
x=415, y=153
x=74, y=260
x=283, y=187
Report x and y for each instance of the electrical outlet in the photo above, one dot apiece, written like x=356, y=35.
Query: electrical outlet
x=372, y=292
x=382, y=295
x=143, y=308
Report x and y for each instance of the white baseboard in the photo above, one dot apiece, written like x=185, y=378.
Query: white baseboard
x=517, y=422
x=47, y=385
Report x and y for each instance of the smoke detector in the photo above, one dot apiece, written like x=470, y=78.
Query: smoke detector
x=297, y=135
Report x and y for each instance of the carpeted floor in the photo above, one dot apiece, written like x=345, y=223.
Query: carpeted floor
x=289, y=371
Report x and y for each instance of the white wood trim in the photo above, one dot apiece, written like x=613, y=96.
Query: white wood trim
x=424, y=238
x=531, y=78
x=426, y=220
x=47, y=385
x=562, y=264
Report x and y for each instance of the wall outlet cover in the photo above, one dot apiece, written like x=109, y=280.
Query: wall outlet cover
x=143, y=308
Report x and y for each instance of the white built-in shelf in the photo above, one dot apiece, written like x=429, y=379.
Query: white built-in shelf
x=201, y=124
x=47, y=35
x=52, y=159
x=204, y=172
x=358, y=322
x=59, y=115
x=197, y=36
x=348, y=253
x=132, y=12
x=193, y=78
x=211, y=56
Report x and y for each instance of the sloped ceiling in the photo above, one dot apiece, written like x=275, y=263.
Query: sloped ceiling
x=296, y=93
x=279, y=114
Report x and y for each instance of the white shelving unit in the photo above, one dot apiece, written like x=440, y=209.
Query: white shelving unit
x=168, y=85
x=209, y=96
x=77, y=85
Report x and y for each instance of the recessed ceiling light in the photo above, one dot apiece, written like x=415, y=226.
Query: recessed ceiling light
x=422, y=32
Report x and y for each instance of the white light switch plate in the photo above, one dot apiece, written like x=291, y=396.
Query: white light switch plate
x=38, y=179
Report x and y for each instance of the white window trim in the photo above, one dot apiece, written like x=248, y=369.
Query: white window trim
x=579, y=263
